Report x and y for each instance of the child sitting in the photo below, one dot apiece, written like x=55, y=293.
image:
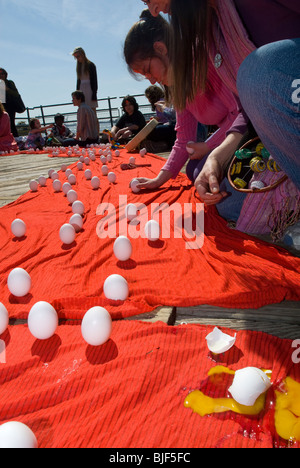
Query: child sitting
x=7, y=141
x=61, y=134
x=35, y=139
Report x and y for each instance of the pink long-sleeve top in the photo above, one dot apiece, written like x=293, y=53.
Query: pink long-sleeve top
x=7, y=141
x=217, y=106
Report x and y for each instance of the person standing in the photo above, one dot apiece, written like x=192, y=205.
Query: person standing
x=87, y=122
x=13, y=102
x=87, y=81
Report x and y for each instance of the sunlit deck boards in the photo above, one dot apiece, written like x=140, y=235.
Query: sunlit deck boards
x=282, y=319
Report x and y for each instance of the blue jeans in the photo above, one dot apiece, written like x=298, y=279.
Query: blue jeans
x=269, y=89
x=230, y=207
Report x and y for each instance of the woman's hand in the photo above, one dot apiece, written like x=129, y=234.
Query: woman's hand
x=148, y=184
x=152, y=184
x=208, y=181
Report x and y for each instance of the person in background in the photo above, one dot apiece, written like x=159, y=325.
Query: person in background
x=13, y=102
x=7, y=141
x=87, y=123
x=60, y=132
x=164, y=135
x=35, y=139
x=130, y=123
x=87, y=81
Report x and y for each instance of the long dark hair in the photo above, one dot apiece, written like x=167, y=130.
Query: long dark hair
x=189, y=41
x=140, y=40
x=132, y=101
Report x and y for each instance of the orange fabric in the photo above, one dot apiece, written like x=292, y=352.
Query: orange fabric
x=230, y=270
x=130, y=391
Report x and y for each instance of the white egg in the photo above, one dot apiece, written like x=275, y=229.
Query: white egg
x=67, y=234
x=116, y=287
x=103, y=159
x=109, y=158
x=19, y=282
x=81, y=159
x=111, y=177
x=17, y=435
x=132, y=160
x=72, y=196
x=131, y=211
x=88, y=174
x=133, y=185
x=248, y=384
x=50, y=172
x=56, y=185
x=257, y=184
x=76, y=221
x=96, y=326
x=4, y=318
x=18, y=227
x=68, y=172
x=219, y=342
x=42, y=320
x=122, y=248
x=143, y=151
x=54, y=175
x=72, y=179
x=104, y=170
x=66, y=187
x=79, y=166
x=64, y=167
x=117, y=153
x=33, y=185
x=42, y=181
x=190, y=150
x=95, y=182
x=87, y=161
x=152, y=230
x=78, y=207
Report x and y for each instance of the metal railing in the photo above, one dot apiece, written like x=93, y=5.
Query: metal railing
x=108, y=112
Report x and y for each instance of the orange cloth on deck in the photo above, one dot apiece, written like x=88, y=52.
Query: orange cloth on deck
x=130, y=391
x=231, y=269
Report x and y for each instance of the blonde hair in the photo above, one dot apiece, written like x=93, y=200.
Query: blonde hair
x=82, y=68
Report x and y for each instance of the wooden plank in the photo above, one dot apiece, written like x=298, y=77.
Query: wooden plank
x=282, y=320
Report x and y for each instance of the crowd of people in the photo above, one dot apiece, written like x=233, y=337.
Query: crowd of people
x=213, y=64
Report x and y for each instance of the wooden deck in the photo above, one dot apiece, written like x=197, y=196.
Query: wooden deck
x=282, y=319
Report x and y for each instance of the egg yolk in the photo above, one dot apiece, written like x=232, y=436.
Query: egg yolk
x=204, y=405
x=287, y=411
x=287, y=405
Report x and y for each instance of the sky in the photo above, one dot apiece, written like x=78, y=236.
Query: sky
x=37, y=37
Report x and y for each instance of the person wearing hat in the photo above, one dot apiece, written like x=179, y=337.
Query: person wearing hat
x=86, y=77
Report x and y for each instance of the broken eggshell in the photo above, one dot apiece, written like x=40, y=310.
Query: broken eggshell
x=248, y=384
x=219, y=342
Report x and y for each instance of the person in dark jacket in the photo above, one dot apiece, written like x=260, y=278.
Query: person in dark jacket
x=130, y=123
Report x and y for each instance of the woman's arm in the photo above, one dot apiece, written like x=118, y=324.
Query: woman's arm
x=150, y=184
